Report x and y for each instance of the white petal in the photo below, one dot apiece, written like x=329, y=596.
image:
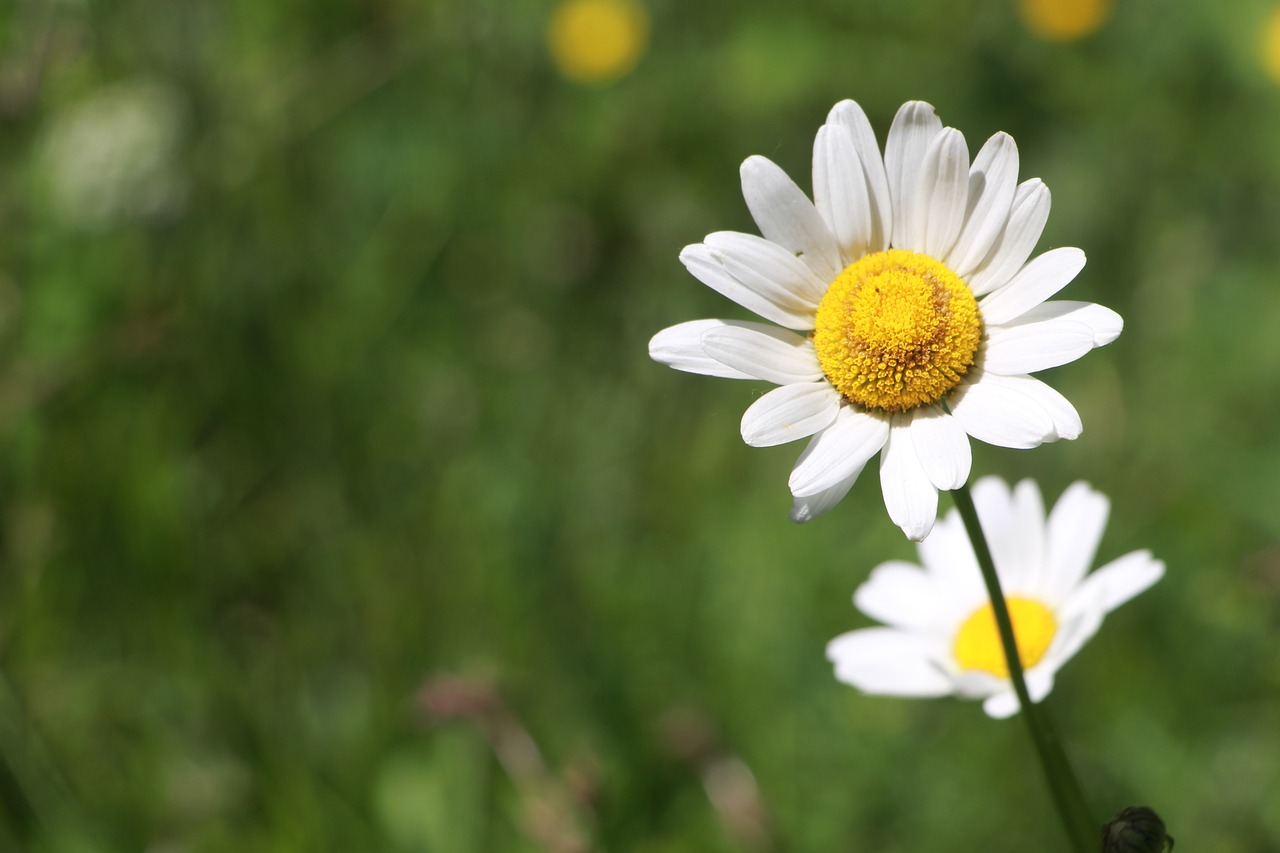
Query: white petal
x=888, y=662
x=1040, y=682
x=1105, y=324
x=771, y=300
x=1066, y=420
x=993, y=178
x=1075, y=528
x=1078, y=620
x=901, y=595
x=909, y=496
x=838, y=452
x=1027, y=216
x=789, y=413
x=1002, y=705
x=1122, y=579
x=947, y=555
x=942, y=446
x=806, y=508
x=851, y=116
x=993, y=409
x=914, y=127
x=774, y=355
x=1019, y=551
x=768, y=268
x=975, y=684
x=840, y=190
x=998, y=513
x=1042, y=277
x=680, y=346
x=993, y=499
x=1029, y=347
x=942, y=194
x=787, y=217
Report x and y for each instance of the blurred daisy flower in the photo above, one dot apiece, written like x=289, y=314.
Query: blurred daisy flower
x=941, y=637
x=115, y=155
x=907, y=314
x=1064, y=20
x=596, y=41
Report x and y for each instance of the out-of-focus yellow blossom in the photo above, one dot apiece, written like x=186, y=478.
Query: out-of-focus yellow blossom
x=1271, y=44
x=1064, y=20
x=595, y=41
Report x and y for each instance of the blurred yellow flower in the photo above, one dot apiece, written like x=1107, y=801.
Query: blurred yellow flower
x=1064, y=20
x=1271, y=44
x=595, y=41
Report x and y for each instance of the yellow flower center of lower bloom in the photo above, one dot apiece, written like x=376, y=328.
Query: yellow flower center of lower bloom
x=897, y=330
x=977, y=645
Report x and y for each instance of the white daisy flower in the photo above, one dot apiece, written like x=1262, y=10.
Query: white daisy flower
x=941, y=637
x=907, y=314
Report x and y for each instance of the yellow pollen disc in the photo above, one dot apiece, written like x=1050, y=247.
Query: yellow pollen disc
x=977, y=645
x=897, y=330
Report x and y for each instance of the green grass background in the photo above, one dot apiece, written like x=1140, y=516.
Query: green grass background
x=368, y=402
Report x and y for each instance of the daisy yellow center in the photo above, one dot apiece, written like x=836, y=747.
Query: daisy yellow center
x=897, y=330
x=977, y=645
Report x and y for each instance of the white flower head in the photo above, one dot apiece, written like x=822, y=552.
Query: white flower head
x=940, y=637
x=907, y=316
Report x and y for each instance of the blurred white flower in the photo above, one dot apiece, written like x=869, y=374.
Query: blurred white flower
x=113, y=155
x=941, y=637
x=908, y=316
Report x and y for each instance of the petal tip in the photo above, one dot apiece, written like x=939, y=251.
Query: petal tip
x=917, y=531
x=754, y=163
x=802, y=513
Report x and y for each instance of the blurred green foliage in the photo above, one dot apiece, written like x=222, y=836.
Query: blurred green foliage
x=324, y=376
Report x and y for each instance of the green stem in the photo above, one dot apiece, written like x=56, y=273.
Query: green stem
x=1068, y=797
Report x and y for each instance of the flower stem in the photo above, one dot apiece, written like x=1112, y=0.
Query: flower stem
x=1068, y=797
